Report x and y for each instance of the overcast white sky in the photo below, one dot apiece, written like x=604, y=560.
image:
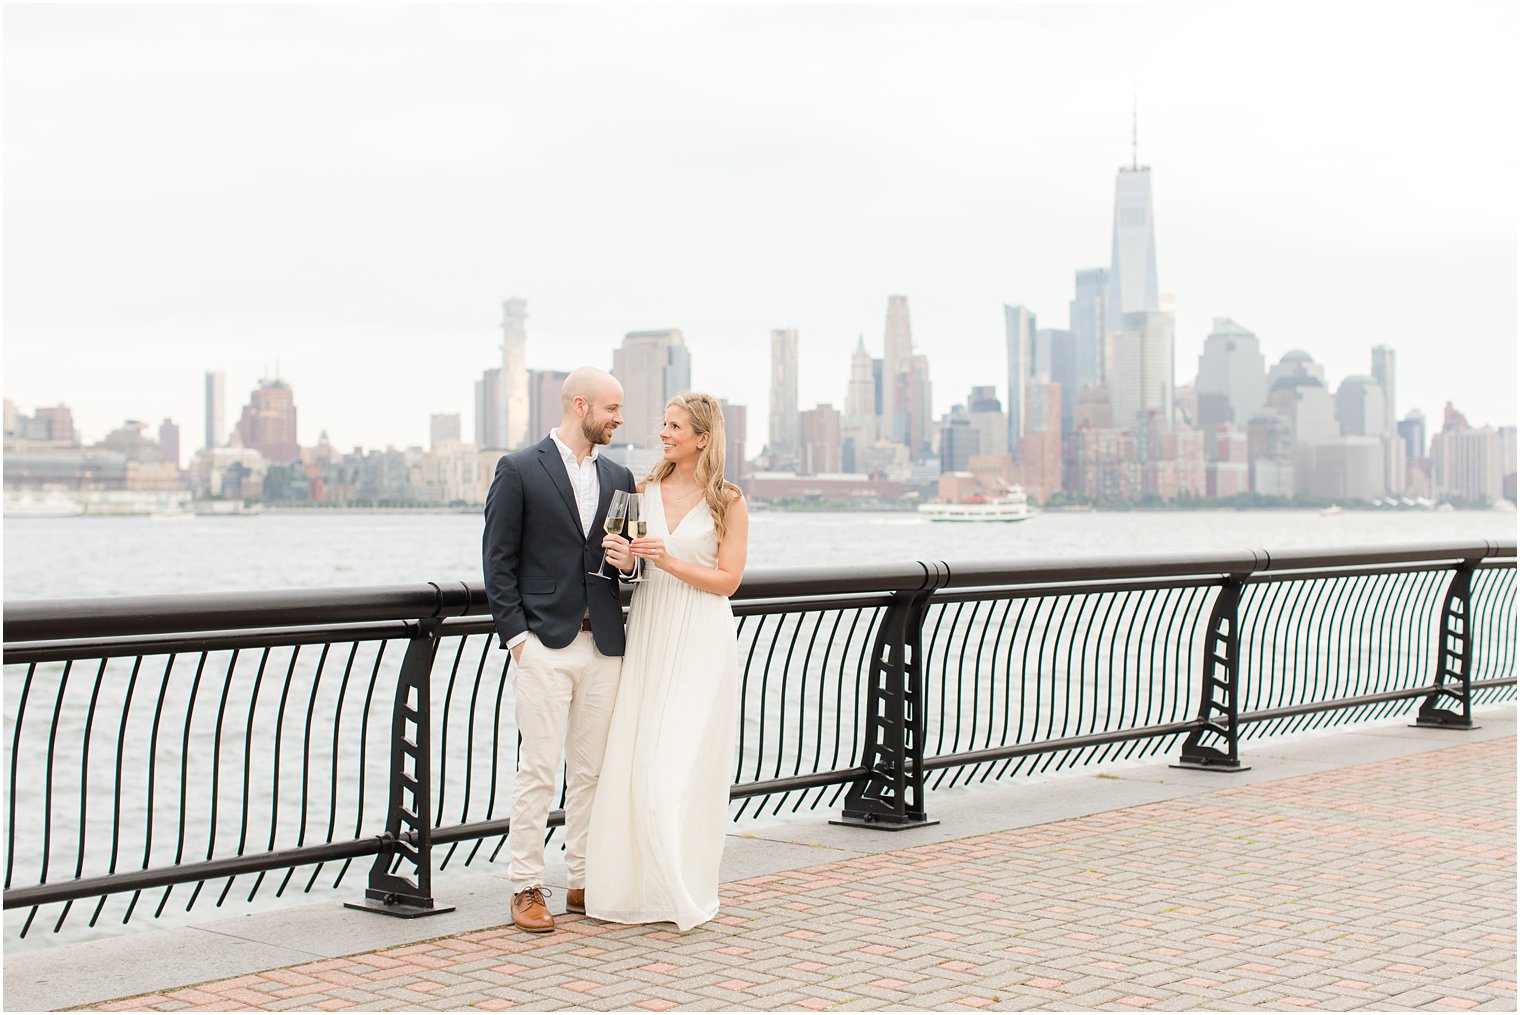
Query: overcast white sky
x=353, y=190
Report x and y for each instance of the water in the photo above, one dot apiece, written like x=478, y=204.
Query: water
x=53, y=557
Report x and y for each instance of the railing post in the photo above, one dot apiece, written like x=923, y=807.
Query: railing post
x=1219, y=696
x=1454, y=657
x=409, y=820
x=891, y=796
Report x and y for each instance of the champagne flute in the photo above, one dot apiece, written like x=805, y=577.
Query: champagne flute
x=638, y=528
x=617, y=514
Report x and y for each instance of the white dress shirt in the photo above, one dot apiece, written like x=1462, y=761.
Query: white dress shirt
x=583, y=480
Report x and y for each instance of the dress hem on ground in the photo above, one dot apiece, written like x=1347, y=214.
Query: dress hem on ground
x=632, y=919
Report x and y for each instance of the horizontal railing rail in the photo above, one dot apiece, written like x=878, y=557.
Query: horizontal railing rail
x=182, y=745
x=126, y=616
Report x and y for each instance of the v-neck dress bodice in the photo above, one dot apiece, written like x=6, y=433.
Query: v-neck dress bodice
x=694, y=538
x=661, y=810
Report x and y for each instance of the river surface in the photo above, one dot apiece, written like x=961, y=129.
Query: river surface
x=84, y=556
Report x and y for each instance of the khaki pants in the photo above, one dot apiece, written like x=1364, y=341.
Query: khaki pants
x=564, y=708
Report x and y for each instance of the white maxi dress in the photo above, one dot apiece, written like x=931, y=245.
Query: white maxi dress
x=661, y=809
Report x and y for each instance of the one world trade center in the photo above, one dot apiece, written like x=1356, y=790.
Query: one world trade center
x=1132, y=274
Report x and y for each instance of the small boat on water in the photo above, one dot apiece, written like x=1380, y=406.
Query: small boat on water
x=1011, y=506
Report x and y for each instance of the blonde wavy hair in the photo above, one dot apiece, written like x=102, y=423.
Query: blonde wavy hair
x=706, y=418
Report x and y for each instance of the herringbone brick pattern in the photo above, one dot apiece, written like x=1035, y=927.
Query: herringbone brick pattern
x=1382, y=886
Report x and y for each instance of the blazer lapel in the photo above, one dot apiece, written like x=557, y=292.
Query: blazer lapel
x=548, y=457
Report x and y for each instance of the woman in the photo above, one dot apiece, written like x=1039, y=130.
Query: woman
x=661, y=809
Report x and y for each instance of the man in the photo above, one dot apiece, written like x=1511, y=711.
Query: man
x=563, y=626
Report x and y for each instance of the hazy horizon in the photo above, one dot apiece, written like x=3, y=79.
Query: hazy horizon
x=352, y=191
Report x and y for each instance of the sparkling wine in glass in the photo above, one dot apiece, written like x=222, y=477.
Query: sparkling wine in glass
x=638, y=528
x=617, y=515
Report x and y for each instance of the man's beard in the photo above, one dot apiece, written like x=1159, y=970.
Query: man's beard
x=595, y=434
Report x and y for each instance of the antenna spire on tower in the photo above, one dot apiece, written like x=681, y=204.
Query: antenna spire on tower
x=1134, y=135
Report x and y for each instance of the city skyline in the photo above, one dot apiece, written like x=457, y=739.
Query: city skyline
x=1203, y=442
x=1204, y=379
x=374, y=258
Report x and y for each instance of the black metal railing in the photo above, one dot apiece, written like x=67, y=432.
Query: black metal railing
x=165, y=750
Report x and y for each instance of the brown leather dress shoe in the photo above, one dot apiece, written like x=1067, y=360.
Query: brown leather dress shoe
x=575, y=900
x=529, y=912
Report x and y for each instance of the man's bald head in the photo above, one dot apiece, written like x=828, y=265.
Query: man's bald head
x=589, y=383
x=592, y=400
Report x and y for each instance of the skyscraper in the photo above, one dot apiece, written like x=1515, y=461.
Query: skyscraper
x=735, y=429
x=959, y=440
x=653, y=367
x=1509, y=440
x=1296, y=365
x=168, y=436
x=991, y=422
x=488, y=414
x=57, y=424
x=544, y=408
x=1382, y=369
x=1467, y=462
x=859, y=425
x=1412, y=430
x=1132, y=284
x=920, y=408
x=515, y=431
x=819, y=433
x=785, y=422
x=1360, y=406
x=1232, y=376
x=268, y=424
x=1088, y=328
x=132, y=444
x=860, y=396
x=1055, y=360
x=1297, y=393
x=216, y=409
x=897, y=366
x=1141, y=382
x=1093, y=409
x=1040, y=450
x=1019, y=329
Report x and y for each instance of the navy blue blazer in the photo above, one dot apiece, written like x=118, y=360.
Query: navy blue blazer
x=536, y=560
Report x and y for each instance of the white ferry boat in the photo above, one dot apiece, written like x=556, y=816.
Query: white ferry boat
x=1011, y=506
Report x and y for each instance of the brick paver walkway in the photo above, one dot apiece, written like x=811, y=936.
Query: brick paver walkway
x=1383, y=886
